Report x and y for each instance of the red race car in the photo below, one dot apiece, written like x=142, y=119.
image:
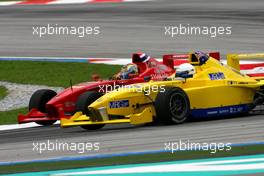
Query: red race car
x=44, y=104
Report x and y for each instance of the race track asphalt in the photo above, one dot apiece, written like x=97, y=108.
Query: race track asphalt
x=17, y=145
x=126, y=28
x=129, y=27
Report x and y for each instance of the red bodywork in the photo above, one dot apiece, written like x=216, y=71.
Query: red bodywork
x=65, y=100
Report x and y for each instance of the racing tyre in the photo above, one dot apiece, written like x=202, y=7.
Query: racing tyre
x=172, y=106
x=258, y=100
x=84, y=100
x=39, y=100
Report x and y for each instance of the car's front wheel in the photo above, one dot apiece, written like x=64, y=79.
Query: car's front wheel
x=172, y=106
x=39, y=100
x=84, y=100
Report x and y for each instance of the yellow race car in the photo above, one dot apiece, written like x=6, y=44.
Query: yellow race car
x=203, y=88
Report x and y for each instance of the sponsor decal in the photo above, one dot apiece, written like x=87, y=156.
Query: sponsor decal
x=219, y=111
x=217, y=76
x=119, y=104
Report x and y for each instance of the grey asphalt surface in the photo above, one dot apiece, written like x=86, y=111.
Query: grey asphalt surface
x=17, y=145
x=127, y=28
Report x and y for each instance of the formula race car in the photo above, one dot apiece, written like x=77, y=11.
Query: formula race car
x=44, y=104
x=202, y=88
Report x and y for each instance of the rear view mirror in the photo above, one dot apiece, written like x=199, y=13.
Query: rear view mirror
x=147, y=78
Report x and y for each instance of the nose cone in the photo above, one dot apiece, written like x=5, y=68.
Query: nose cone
x=99, y=103
x=104, y=100
x=121, y=94
x=67, y=94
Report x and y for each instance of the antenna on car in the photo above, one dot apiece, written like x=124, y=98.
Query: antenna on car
x=71, y=85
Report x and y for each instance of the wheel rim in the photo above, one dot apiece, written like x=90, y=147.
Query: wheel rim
x=177, y=106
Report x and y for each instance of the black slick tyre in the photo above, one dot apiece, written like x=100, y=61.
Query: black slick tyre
x=172, y=106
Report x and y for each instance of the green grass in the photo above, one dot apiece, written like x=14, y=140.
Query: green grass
x=47, y=73
x=3, y=92
x=52, y=73
x=10, y=117
x=132, y=159
x=6, y=117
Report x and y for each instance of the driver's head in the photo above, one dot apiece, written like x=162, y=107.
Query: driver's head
x=127, y=70
x=185, y=69
x=202, y=57
x=141, y=57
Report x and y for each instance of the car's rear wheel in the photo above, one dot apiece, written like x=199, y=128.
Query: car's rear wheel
x=258, y=100
x=39, y=100
x=172, y=106
x=84, y=100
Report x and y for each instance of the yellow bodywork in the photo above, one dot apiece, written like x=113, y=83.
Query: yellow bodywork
x=203, y=92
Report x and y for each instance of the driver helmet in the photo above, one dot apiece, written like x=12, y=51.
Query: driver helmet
x=128, y=69
x=185, y=69
x=144, y=57
x=202, y=57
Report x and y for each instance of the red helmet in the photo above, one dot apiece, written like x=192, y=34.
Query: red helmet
x=140, y=57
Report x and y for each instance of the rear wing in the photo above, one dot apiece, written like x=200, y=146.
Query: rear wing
x=249, y=67
x=173, y=60
x=233, y=59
